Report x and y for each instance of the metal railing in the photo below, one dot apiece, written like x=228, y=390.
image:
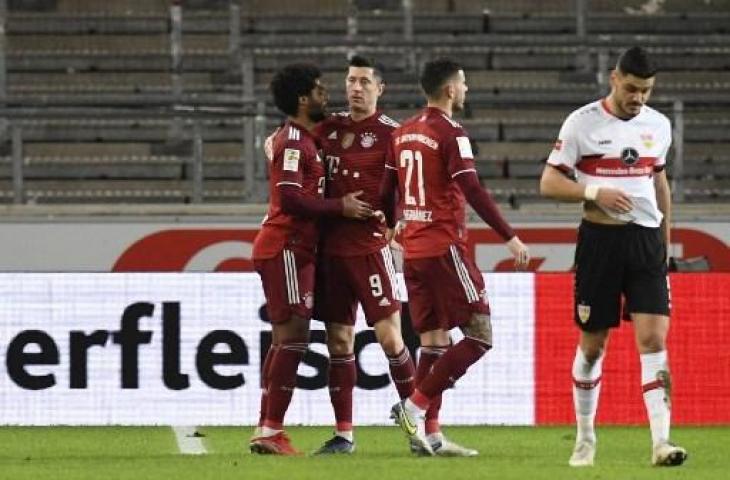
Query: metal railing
x=252, y=164
x=183, y=109
x=188, y=117
x=3, y=65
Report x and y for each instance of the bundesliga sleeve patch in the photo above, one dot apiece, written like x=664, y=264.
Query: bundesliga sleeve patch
x=291, y=159
x=464, y=147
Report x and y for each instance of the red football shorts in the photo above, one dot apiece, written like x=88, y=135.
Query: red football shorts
x=444, y=292
x=343, y=282
x=288, y=281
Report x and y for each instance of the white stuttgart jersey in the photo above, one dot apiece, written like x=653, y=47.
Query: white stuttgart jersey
x=605, y=150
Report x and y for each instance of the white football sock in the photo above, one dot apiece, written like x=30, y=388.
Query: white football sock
x=414, y=409
x=269, y=432
x=655, y=385
x=586, y=389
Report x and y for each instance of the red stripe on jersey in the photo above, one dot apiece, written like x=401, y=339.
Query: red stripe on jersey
x=598, y=166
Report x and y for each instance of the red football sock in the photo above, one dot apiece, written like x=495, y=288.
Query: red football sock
x=403, y=373
x=342, y=377
x=428, y=357
x=452, y=366
x=282, y=381
x=265, y=371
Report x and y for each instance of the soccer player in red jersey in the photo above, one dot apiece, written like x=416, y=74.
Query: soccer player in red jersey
x=432, y=170
x=284, y=249
x=355, y=264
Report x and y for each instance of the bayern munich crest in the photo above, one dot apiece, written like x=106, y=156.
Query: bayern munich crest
x=367, y=139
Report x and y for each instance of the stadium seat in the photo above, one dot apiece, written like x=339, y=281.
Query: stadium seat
x=520, y=57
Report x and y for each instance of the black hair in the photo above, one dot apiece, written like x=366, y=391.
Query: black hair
x=636, y=61
x=365, y=62
x=436, y=73
x=291, y=82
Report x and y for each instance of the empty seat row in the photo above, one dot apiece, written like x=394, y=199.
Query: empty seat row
x=321, y=21
x=125, y=191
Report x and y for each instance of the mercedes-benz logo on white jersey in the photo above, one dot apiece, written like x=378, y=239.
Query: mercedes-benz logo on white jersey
x=629, y=156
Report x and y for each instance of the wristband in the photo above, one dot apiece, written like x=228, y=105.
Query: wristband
x=591, y=192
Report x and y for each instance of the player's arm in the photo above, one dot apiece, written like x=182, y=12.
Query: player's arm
x=269, y=144
x=389, y=189
x=556, y=182
x=289, y=163
x=664, y=203
x=483, y=204
x=389, y=196
x=461, y=167
x=663, y=192
x=294, y=202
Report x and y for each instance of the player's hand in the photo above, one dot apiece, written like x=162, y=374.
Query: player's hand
x=614, y=199
x=400, y=225
x=269, y=144
x=390, y=235
x=353, y=207
x=520, y=251
x=393, y=243
x=379, y=216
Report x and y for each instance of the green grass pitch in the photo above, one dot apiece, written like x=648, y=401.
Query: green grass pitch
x=523, y=453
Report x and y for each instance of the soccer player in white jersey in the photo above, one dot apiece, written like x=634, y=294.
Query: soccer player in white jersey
x=616, y=149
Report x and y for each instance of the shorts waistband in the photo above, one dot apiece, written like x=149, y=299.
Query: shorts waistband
x=615, y=227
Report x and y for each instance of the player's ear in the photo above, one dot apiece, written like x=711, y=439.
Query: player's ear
x=381, y=88
x=450, y=90
x=614, y=78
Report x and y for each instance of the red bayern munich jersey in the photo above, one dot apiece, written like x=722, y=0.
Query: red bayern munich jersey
x=355, y=155
x=295, y=162
x=429, y=151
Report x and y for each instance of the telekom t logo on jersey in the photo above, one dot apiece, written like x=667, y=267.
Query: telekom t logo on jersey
x=230, y=249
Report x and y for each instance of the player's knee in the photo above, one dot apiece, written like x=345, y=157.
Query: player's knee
x=593, y=345
x=392, y=344
x=479, y=327
x=651, y=343
x=296, y=330
x=592, y=354
x=338, y=347
x=389, y=336
x=340, y=339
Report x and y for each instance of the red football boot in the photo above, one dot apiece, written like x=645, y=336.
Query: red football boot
x=278, y=444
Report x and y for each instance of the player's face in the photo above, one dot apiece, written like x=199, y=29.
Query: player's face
x=317, y=102
x=363, y=89
x=630, y=93
x=460, y=89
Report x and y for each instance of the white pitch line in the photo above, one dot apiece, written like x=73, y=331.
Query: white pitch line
x=188, y=442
